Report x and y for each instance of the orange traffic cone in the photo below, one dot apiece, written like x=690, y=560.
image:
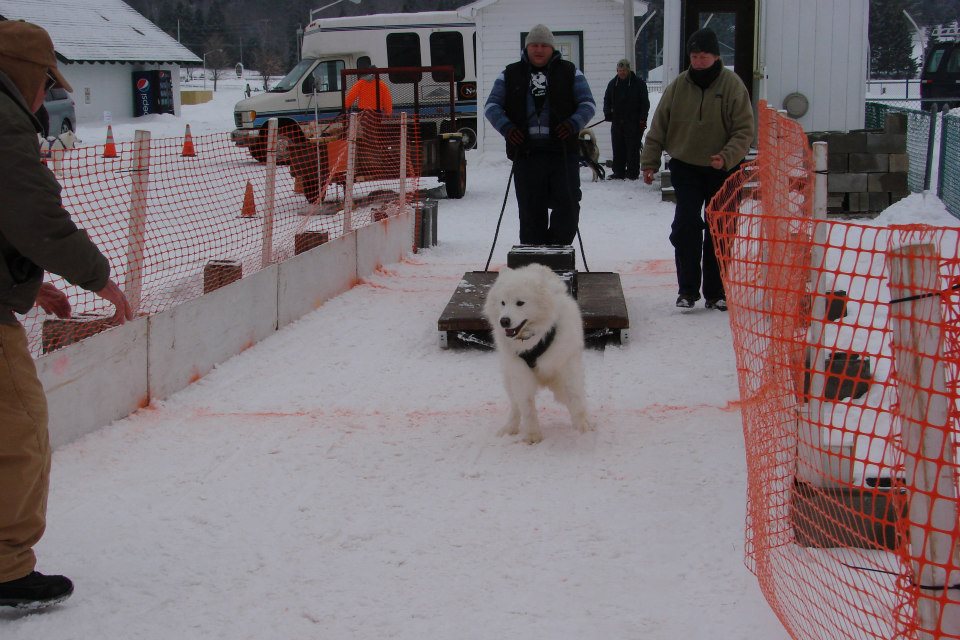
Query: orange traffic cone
x=110, y=149
x=188, y=150
x=249, y=209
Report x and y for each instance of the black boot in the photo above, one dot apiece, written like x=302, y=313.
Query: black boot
x=35, y=591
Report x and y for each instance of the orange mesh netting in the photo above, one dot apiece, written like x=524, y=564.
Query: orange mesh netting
x=848, y=358
x=177, y=217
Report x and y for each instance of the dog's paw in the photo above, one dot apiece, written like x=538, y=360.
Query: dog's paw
x=584, y=425
x=509, y=430
x=533, y=437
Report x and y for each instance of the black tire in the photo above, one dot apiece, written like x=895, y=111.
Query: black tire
x=66, y=125
x=455, y=180
x=288, y=136
x=259, y=151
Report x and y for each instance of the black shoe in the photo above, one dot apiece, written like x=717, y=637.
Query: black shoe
x=35, y=591
x=720, y=304
x=686, y=302
x=614, y=176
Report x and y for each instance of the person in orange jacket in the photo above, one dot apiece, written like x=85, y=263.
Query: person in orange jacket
x=364, y=93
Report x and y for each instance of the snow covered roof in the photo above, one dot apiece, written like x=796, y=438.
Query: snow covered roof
x=98, y=31
x=640, y=7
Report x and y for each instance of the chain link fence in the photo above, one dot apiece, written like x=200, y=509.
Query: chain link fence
x=933, y=144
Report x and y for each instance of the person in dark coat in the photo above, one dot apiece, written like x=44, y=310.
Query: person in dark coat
x=36, y=235
x=626, y=105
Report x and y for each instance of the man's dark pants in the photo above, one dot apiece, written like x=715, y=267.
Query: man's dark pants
x=689, y=234
x=548, y=196
x=625, y=138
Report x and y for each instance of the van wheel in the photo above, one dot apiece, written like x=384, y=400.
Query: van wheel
x=65, y=126
x=455, y=180
x=287, y=137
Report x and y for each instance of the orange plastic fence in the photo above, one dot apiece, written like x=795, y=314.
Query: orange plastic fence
x=178, y=217
x=848, y=355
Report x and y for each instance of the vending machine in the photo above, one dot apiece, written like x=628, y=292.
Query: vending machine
x=152, y=92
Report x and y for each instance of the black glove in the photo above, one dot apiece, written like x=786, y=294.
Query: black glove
x=564, y=130
x=515, y=136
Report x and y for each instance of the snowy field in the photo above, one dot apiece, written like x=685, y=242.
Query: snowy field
x=342, y=480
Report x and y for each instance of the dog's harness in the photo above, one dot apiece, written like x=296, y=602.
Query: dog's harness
x=530, y=356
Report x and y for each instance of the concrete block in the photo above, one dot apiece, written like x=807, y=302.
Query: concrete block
x=899, y=162
x=869, y=162
x=851, y=142
x=886, y=142
x=896, y=196
x=838, y=162
x=878, y=201
x=858, y=202
x=836, y=201
x=847, y=182
x=895, y=123
x=887, y=182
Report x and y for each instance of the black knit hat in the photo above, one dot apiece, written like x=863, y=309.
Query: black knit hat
x=705, y=41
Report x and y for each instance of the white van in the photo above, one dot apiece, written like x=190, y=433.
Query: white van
x=311, y=91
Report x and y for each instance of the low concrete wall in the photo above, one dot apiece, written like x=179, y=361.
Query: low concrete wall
x=112, y=374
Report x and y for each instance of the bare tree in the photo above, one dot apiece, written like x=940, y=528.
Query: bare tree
x=269, y=66
x=216, y=58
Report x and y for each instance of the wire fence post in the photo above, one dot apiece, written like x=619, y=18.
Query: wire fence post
x=351, y=169
x=942, y=157
x=928, y=449
x=136, y=232
x=266, y=255
x=931, y=140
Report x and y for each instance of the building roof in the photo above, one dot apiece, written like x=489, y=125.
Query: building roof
x=98, y=31
x=640, y=7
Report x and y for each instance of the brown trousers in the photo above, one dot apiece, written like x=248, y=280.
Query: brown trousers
x=24, y=455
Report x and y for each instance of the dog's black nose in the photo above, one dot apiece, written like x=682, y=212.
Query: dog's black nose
x=505, y=323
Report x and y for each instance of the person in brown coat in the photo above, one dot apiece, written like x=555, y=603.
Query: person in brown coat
x=36, y=235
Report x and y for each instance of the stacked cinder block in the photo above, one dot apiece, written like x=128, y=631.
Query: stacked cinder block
x=866, y=168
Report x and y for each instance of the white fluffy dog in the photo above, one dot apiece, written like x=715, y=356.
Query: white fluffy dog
x=538, y=332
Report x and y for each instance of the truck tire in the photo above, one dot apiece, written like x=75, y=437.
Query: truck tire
x=455, y=180
x=288, y=136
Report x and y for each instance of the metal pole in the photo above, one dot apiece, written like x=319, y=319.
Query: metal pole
x=943, y=152
x=931, y=137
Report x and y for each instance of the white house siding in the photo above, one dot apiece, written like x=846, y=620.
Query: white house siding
x=819, y=48
x=498, y=36
x=110, y=88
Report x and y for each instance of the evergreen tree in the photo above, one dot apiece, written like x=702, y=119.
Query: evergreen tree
x=891, y=43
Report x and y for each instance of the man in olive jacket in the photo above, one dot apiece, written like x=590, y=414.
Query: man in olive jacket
x=704, y=121
x=36, y=235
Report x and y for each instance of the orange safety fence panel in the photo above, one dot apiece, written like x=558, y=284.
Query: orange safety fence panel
x=851, y=524
x=175, y=225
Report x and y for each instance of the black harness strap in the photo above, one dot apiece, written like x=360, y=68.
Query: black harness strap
x=530, y=357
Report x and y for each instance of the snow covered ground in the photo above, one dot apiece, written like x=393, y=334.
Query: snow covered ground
x=342, y=479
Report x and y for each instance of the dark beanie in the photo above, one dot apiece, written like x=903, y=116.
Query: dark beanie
x=704, y=40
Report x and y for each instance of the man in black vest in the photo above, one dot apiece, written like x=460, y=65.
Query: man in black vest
x=539, y=105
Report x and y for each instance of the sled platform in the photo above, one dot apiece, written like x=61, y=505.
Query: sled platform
x=600, y=296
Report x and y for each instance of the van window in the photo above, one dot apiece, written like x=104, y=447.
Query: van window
x=446, y=48
x=953, y=64
x=403, y=50
x=935, y=57
x=326, y=77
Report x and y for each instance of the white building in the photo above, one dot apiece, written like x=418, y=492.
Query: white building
x=811, y=54
x=590, y=33
x=100, y=44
